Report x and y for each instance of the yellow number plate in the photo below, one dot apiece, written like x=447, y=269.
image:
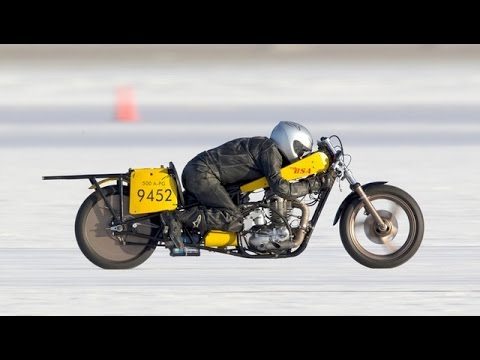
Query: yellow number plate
x=152, y=190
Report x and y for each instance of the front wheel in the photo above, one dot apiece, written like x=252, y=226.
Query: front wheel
x=374, y=248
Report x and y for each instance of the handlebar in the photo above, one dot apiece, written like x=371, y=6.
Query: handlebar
x=330, y=148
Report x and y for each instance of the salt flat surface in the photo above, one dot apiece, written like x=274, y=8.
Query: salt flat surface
x=322, y=281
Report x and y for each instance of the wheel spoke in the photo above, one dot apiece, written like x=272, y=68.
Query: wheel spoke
x=358, y=226
x=395, y=210
x=391, y=248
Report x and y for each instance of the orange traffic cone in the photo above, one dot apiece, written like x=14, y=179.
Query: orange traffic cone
x=126, y=107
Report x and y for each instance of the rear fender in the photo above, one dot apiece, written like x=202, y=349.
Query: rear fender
x=350, y=197
x=104, y=181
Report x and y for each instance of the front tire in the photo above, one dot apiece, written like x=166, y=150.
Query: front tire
x=100, y=245
x=370, y=246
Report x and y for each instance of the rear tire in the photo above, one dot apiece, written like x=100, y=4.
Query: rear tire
x=374, y=249
x=99, y=244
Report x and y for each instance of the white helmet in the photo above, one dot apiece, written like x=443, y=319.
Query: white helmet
x=292, y=139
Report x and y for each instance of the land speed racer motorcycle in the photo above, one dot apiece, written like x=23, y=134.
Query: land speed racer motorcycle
x=120, y=224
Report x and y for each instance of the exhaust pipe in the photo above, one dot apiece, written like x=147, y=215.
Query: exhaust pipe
x=302, y=229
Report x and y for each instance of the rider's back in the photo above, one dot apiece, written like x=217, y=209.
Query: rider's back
x=240, y=160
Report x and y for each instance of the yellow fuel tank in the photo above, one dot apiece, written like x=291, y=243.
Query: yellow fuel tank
x=217, y=238
x=312, y=164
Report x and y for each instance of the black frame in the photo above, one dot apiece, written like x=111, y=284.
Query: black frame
x=239, y=251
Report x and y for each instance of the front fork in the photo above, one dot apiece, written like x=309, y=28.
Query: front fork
x=343, y=172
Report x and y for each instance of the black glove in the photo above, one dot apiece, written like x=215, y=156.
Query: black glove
x=319, y=182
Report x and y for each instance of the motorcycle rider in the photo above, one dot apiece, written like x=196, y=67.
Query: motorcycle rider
x=235, y=163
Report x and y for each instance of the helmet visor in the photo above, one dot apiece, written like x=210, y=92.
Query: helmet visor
x=300, y=149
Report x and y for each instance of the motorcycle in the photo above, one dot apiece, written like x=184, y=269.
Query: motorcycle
x=120, y=225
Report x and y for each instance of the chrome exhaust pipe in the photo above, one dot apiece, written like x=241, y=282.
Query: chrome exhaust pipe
x=302, y=229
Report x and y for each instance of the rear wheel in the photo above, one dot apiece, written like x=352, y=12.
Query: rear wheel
x=371, y=246
x=104, y=247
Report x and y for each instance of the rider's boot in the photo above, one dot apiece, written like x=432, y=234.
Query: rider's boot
x=193, y=218
x=201, y=219
x=175, y=235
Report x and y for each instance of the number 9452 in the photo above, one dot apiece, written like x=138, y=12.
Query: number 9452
x=155, y=195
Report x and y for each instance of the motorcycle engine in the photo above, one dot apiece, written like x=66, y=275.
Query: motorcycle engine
x=272, y=236
x=269, y=237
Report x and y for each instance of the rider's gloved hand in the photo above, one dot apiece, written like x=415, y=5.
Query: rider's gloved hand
x=319, y=182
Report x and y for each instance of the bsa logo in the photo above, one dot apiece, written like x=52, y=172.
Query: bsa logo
x=301, y=171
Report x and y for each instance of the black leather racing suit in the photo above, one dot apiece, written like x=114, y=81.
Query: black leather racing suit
x=233, y=163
